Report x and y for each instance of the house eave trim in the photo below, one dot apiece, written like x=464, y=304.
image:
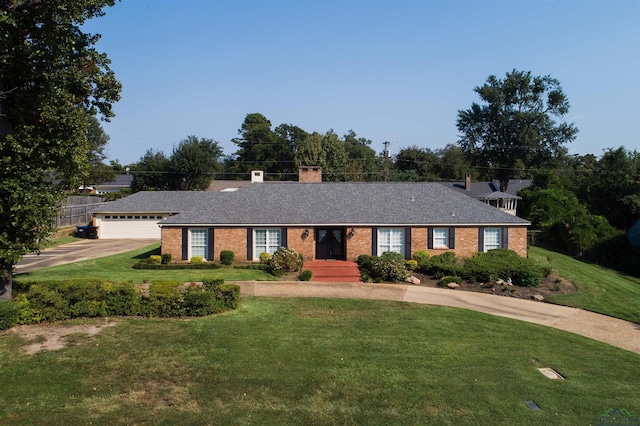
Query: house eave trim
x=337, y=225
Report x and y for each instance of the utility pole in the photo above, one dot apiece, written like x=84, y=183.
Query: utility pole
x=385, y=161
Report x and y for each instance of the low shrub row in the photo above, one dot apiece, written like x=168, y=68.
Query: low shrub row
x=152, y=264
x=490, y=266
x=59, y=300
x=485, y=267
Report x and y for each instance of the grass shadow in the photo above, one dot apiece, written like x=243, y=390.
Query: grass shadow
x=146, y=254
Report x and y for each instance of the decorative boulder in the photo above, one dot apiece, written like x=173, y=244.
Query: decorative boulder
x=453, y=285
x=538, y=297
x=413, y=280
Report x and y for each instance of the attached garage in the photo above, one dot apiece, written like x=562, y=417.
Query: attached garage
x=129, y=226
x=137, y=216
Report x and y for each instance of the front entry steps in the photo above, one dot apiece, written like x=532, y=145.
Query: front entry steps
x=333, y=271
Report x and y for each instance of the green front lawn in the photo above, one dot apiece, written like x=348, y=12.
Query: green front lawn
x=118, y=267
x=599, y=289
x=318, y=361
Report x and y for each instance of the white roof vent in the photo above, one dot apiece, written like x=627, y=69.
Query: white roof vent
x=257, y=176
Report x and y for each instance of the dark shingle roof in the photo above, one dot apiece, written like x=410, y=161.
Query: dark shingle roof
x=340, y=204
x=160, y=202
x=482, y=188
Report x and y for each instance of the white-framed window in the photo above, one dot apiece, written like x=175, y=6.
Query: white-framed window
x=265, y=241
x=198, y=243
x=440, y=238
x=390, y=239
x=491, y=239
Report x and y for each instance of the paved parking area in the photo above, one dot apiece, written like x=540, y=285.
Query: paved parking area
x=77, y=251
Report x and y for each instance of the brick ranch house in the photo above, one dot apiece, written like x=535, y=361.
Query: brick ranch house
x=322, y=220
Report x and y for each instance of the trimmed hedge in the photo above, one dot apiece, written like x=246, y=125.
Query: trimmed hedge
x=146, y=264
x=227, y=257
x=58, y=300
x=9, y=314
x=306, y=275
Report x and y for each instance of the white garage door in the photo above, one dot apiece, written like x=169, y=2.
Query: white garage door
x=112, y=227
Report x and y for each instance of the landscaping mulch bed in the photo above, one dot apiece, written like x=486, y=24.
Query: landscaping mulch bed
x=551, y=285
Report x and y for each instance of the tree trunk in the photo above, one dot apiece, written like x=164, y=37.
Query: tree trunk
x=6, y=284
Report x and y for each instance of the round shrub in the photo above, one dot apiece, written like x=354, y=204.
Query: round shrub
x=421, y=256
x=389, y=267
x=264, y=258
x=166, y=258
x=283, y=261
x=444, y=264
x=306, y=275
x=411, y=264
x=196, y=259
x=154, y=258
x=226, y=257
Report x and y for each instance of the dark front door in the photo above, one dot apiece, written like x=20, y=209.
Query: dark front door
x=330, y=243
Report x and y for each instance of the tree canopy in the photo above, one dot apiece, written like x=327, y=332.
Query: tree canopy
x=194, y=163
x=52, y=80
x=515, y=127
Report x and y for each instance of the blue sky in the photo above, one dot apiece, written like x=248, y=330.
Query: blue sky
x=393, y=71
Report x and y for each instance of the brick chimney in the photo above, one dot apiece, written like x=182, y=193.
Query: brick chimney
x=467, y=181
x=310, y=174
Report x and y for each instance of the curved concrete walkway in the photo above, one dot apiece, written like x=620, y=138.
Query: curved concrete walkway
x=616, y=332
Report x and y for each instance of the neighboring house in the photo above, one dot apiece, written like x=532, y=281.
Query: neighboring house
x=118, y=184
x=489, y=192
x=319, y=220
x=234, y=185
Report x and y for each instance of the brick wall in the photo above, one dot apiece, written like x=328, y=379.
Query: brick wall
x=303, y=244
x=310, y=174
x=172, y=243
x=359, y=243
x=518, y=240
x=466, y=243
x=234, y=239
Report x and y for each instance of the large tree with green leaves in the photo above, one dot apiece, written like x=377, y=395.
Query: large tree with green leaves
x=515, y=127
x=261, y=148
x=363, y=162
x=194, y=163
x=613, y=189
x=327, y=151
x=151, y=172
x=52, y=79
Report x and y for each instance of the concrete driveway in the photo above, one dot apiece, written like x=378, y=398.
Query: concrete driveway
x=77, y=251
